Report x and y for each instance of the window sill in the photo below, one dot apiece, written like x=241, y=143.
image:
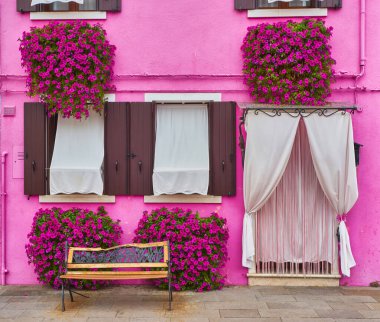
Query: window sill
x=268, y=13
x=78, y=15
x=76, y=198
x=180, y=198
x=293, y=280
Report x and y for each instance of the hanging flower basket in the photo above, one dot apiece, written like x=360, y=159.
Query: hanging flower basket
x=69, y=66
x=288, y=62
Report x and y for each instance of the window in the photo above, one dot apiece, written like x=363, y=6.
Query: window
x=88, y=5
x=292, y=4
x=129, y=148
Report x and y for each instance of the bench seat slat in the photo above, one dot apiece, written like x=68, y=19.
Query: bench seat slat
x=89, y=276
x=118, y=272
x=117, y=265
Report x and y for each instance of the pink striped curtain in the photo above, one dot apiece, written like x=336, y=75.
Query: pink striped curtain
x=295, y=229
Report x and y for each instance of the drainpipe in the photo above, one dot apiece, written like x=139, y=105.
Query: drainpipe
x=3, y=230
x=362, y=48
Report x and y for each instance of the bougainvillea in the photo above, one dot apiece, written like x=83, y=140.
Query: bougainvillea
x=69, y=66
x=79, y=227
x=198, y=246
x=288, y=62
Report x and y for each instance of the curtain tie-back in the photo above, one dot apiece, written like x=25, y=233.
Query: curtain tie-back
x=248, y=240
x=347, y=260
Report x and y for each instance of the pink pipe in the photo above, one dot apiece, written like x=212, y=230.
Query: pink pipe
x=3, y=213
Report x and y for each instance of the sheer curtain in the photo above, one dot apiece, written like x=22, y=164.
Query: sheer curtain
x=296, y=226
x=181, y=161
x=34, y=2
x=332, y=148
x=78, y=154
x=268, y=147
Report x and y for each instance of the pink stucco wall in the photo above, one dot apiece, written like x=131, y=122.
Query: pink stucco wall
x=169, y=38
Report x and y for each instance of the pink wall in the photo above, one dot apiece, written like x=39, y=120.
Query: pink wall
x=168, y=38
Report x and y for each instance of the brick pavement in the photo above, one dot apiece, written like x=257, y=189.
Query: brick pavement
x=232, y=304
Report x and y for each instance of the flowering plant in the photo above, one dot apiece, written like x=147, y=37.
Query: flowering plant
x=79, y=227
x=69, y=66
x=288, y=62
x=198, y=246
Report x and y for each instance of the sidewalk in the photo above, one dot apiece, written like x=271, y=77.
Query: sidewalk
x=232, y=304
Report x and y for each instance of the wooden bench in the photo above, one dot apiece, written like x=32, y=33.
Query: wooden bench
x=80, y=262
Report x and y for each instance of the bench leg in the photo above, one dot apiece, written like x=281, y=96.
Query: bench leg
x=170, y=292
x=63, y=296
x=71, y=293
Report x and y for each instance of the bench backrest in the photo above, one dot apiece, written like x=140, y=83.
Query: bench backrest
x=149, y=255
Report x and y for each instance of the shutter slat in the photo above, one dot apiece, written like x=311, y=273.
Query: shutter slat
x=34, y=149
x=115, y=138
x=141, y=148
x=245, y=4
x=222, y=148
x=110, y=5
x=25, y=6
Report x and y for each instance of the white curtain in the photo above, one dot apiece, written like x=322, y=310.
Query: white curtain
x=332, y=148
x=269, y=144
x=34, y=2
x=297, y=223
x=181, y=161
x=76, y=165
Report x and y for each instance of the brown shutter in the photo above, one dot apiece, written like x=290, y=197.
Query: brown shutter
x=335, y=4
x=141, y=148
x=25, y=6
x=245, y=4
x=222, y=130
x=34, y=149
x=109, y=5
x=115, y=160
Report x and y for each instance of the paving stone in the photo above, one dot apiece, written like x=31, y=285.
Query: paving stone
x=288, y=313
x=336, y=298
x=373, y=306
x=298, y=305
x=193, y=314
x=357, y=320
x=235, y=305
x=349, y=306
x=140, y=313
x=239, y=313
x=66, y=319
x=276, y=298
x=307, y=320
x=339, y=314
x=246, y=320
x=189, y=320
x=95, y=313
x=370, y=314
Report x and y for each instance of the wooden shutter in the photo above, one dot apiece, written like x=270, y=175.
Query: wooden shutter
x=222, y=132
x=115, y=160
x=110, y=5
x=245, y=4
x=141, y=148
x=34, y=149
x=335, y=4
x=25, y=6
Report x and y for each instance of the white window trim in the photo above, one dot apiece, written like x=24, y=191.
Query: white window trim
x=180, y=198
x=269, y=13
x=196, y=97
x=76, y=198
x=69, y=15
x=150, y=97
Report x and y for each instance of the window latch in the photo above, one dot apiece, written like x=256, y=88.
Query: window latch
x=131, y=155
x=34, y=165
x=117, y=165
x=223, y=165
x=140, y=166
